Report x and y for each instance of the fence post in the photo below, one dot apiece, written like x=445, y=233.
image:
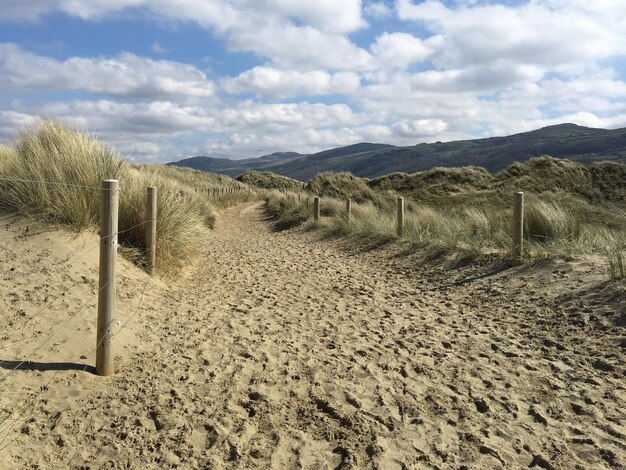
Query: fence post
x=316, y=209
x=151, y=229
x=106, y=292
x=348, y=209
x=518, y=229
x=400, y=216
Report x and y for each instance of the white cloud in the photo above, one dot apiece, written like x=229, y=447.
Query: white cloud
x=479, y=79
x=157, y=48
x=540, y=32
x=125, y=75
x=419, y=128
x=137, y=129
x=11, y=120
x=261, y=26
x=301, y=47
x=377, y=9
x=327, y=15
x=400, y=50
x=484, y=69
x=277, y=83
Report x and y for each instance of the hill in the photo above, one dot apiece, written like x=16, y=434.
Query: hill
x=600, y=181
x=235, y=168
x=275, y=161
x=565, y=141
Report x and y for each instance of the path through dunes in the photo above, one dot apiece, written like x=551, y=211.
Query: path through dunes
x=283, y=351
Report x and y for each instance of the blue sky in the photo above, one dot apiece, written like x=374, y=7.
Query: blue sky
x=166, y=79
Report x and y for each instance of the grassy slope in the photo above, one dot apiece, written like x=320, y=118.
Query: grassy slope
x=78, y=163
x=571, y=208
x=269, y=180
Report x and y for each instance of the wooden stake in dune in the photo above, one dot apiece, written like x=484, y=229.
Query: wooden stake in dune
x=400, y=216
x=518, y=229
x=151, y=229
x=106, y=292
x=316, y=209
x=348, y=209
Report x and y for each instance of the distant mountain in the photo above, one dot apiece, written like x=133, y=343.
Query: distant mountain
x=577, y=143
x=235, y=168
x=280, y=156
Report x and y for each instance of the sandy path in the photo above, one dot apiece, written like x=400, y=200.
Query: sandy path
x=283, y=351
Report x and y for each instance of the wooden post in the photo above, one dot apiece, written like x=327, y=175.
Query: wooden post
x=151, y=229
x=400, y=216
x=316, y=209
x=106, y=292
x=348, y=209
x=518, y=229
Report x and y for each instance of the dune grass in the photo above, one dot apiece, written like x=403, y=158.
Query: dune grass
x=616, y=262
x=270, y=181
x=555, y=225
x=54, y=174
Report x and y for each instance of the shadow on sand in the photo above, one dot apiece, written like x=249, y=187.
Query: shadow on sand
x=45, y=366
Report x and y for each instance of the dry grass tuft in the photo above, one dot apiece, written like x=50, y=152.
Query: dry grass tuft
x=616, y=265
x=554, y=225
x=49, y=151
x=548, y=220
x=269, y=180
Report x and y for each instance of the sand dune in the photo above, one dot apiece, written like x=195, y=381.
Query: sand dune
x=278, y=350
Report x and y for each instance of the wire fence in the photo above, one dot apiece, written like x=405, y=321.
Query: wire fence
x=18, y=407
x=20, y=410
x=9, y=425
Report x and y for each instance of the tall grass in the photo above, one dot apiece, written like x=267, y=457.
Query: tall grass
x=553, y=226
x=616, y=265
x=200, y=184
x=50, y=152
x=549, y=220
x=269, y=180
x=55, y=174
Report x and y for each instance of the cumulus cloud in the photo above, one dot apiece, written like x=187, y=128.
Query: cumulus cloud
x=377, y=9
x=399, y=50
x=419, y=128
x=277, y=83
x=452, y=69
x=125, y=75
x=162, y=123
x=541, y=32
x=479, y=78
x=265, y=27
x=327, y=15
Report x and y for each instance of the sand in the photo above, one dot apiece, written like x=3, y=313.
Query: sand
x=280, y=350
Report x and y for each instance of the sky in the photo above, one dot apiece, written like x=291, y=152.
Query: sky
x=162, y=80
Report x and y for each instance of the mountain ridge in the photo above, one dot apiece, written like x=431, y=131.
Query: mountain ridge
x=371, y=160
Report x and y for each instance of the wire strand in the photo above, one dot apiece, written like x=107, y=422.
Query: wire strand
x=54, y=183
x=62, y=324
x=91, y=246
x=10, y=427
